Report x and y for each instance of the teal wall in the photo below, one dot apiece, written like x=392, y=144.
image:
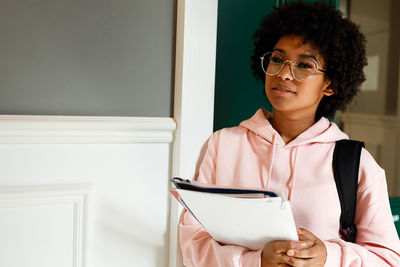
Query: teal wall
x=395, y=206
x=237, y=94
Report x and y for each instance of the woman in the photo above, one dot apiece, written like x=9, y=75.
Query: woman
x=312, y=63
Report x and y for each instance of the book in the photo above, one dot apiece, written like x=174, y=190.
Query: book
x=237, y=216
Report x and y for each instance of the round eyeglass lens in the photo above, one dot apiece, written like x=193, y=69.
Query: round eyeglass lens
x=303, y=69
x=272, y=63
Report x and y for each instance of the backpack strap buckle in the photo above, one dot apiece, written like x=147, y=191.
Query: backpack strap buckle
x=349, y=234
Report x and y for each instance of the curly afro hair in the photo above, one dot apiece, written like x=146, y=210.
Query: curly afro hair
x=337, y=39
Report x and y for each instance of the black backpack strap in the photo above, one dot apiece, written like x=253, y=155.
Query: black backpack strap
x=346, y=162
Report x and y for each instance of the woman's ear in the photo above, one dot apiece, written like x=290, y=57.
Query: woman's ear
x=328, y=92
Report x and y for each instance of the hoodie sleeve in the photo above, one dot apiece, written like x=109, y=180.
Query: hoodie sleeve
x=377, y=242
x=199, y=249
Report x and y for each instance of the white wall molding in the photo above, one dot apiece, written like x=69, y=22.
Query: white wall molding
x=19, y=129
x=76, y=196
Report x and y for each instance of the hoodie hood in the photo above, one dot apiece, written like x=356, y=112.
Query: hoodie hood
x=323, y=131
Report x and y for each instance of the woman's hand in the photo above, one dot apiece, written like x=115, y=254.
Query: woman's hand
x=314, y=255
x=273, y=252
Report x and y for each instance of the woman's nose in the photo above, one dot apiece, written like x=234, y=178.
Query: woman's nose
x=286, y=72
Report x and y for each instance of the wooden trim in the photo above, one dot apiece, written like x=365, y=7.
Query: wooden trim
x=15, y=129
x=196, y=38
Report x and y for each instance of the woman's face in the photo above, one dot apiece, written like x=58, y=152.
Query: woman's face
x=289, y=96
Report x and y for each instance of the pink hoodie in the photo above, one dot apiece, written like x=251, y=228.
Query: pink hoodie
x=254, y=155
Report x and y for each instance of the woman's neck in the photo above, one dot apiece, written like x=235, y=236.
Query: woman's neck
x=290, y=127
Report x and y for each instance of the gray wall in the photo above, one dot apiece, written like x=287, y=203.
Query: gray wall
x=87, y=57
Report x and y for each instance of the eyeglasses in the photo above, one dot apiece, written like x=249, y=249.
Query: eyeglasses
x=302, y=69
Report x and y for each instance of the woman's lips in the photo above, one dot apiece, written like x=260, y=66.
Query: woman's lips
x=283, y=89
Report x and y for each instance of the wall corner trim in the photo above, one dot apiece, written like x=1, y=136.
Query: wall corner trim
x=21, y=129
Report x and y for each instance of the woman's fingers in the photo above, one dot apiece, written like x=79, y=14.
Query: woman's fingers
x=284, y=246
x=306, y=234
x=314, y=255
x=274, y=251
x=305, y=253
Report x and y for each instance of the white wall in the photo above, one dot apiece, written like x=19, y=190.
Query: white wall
x=84, y=191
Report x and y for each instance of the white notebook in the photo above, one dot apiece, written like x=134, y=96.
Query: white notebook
x=249, y=220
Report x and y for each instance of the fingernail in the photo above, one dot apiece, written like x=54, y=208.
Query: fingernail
x=303, y=244
x=290, y=252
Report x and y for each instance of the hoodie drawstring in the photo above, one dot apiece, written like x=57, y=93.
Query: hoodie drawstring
x=292, y=179
x=294, y=161
x=272, y=160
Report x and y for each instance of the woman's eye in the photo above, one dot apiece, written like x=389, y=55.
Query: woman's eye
x=276, y=60
x=304, y=65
